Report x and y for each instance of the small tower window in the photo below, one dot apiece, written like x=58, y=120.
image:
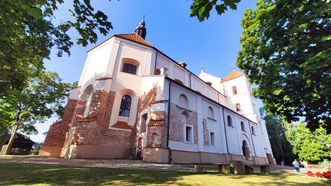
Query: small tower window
x=230, y=121
x=125, y=106
x=234, y=90
x=238, y=107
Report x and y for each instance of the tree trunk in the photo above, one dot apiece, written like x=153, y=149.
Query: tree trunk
x=11, y=140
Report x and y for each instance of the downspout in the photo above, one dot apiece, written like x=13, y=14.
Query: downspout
x=155, y=62
x=168, y=122
x=249, y=126
x=226, y=136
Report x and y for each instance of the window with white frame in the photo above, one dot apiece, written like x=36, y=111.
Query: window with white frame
x=125, y=106
x=212, y=138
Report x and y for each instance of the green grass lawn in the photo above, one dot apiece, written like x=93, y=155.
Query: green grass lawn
x=35, y=174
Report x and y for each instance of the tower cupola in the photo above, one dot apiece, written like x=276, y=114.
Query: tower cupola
x=141, y=29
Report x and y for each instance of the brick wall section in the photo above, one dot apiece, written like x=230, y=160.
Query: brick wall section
x=57, y=132
x=206, y=140
x=177, y=128
x=157, y=125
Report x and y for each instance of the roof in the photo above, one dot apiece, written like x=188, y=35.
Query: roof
x=135, y=38
x=234, y=74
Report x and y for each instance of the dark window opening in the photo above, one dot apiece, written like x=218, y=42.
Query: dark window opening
x=129, y=68
x=125, y=106
x=234, y=90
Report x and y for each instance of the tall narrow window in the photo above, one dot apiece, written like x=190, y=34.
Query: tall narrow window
x=238, y=108
x=234, y=90
x=242, y=126
x=188, y=134
x=212, y=139
x=125, y=106
x=229, y=121
x=129, y=68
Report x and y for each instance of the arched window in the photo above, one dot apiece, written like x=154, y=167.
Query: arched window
x=230, y=121
x=242, y=126
x=130, y=66
x=253, y=130
x=125, y=106
x=210, y=112
x=234, y=90
x=183, y=101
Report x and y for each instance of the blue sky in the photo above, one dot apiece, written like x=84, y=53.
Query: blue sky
x=213, y=44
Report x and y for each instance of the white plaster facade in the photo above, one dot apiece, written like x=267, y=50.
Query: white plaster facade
x=211, y=98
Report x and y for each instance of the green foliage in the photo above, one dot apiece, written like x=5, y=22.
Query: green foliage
x=202, y=8
x=28, y=34
x=281, y=148
x=309, y=146
x=44, y=96
x=286, y=51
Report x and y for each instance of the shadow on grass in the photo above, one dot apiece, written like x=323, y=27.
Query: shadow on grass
x=19, y=173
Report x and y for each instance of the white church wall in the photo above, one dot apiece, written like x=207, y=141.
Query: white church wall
x=232, y=134
x=97, y=62
x=214, y=124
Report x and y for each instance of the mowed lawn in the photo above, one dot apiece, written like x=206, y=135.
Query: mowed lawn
x=37, y=174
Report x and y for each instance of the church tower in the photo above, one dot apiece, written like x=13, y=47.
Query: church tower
x=141, y=29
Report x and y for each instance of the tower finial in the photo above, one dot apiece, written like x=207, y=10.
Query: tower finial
x=141, y=29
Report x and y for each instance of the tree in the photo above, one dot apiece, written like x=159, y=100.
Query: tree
x=28, y=34
x=286, y=52
x=201, y=8
x=281, y=148
x=309, y=146
x=44, y=96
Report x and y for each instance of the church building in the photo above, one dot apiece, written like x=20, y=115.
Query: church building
x=135, y=102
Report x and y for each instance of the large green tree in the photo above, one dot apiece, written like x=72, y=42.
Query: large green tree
x=40, y=99
x=28, y=33
x=309, y=146
x=286, y=51
x=281, y=148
